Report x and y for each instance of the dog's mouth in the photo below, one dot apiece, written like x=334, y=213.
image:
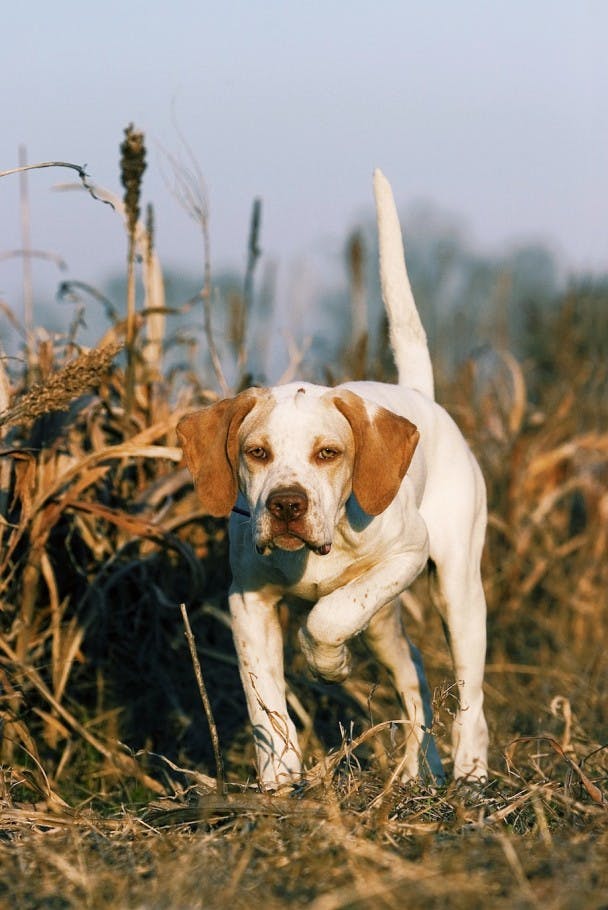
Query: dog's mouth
x=287, y=540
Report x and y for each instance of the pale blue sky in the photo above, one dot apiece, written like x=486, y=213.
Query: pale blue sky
x=497, y=111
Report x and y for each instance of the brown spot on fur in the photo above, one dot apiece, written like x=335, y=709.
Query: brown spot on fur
x=384, y=447
x=209, y=439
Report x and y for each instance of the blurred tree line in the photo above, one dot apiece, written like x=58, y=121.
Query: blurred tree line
x=327, y=310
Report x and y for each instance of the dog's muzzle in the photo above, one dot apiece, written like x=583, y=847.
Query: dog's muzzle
x=287, y=507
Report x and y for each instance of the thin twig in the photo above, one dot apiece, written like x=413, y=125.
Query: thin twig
x=36, y=254
x=75, y=167
x=253, y=254
x=190, y=191
x=28, y=297
x=219, y=765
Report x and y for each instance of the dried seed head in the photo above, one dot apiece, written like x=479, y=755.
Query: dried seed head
x=60, y=389
x=355, y=254
x=132, y=167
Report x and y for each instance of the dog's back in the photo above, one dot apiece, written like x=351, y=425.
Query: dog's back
x=407, y=335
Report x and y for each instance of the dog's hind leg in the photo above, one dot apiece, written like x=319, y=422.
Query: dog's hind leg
x=390, y=644
x=457, y=592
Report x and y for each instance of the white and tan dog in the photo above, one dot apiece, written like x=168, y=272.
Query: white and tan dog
x=342, y=497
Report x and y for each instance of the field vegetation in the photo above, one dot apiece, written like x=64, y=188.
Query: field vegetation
x=111, y=792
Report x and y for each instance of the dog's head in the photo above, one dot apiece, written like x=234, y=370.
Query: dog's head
x=296, y=453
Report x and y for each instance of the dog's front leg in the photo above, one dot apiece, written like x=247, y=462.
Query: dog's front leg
x=259, y=646
x=348, y=610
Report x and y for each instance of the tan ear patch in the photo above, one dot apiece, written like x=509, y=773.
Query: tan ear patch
x=384, y=447
x=209, y=440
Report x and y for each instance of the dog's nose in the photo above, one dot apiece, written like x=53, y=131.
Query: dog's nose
x=287, y=504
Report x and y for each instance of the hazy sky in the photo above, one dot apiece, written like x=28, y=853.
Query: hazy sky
x=497, y=111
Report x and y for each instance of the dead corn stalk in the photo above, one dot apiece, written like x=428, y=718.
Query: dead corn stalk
x=132, y=167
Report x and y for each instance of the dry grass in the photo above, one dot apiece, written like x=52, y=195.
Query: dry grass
x=108, y=783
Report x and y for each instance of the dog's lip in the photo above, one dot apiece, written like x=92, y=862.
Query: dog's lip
x=323, y=550
x=265, y=547
x=286, y=540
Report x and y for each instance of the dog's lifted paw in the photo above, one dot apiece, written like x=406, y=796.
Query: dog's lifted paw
x=330, y=662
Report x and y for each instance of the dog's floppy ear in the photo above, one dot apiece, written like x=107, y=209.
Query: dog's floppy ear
x=384, y=446
x=209, y=439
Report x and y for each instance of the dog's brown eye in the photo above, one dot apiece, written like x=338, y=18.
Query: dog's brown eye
x=327, y=454
x=257, y=452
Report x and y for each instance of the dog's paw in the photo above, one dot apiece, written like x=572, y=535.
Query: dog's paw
x=330, y=662
x=409, y=769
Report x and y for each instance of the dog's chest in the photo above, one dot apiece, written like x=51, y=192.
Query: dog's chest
x=321, y=574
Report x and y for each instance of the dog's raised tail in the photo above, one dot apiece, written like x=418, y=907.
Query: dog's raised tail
x=407, y=335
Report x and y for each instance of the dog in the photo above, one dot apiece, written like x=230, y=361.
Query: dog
x=341, y=497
